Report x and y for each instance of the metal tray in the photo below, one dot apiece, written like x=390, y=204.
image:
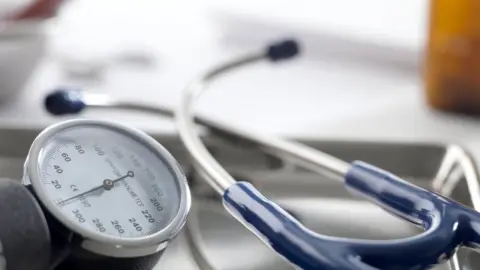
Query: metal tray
x=324, y=206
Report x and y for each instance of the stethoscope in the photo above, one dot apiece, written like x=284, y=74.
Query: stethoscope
x=448, y=225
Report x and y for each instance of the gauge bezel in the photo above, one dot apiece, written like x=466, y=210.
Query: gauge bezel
x=167, y=233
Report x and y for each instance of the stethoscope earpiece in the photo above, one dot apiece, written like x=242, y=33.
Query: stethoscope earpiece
x=62, y=102
x=283, y=50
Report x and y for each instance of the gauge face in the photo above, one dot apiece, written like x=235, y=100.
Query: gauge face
x=107, y=181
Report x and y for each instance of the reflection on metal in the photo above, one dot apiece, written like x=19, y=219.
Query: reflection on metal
x=456, y=166
x=194, y=238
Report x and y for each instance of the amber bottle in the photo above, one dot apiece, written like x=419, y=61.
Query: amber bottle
x=452, y=64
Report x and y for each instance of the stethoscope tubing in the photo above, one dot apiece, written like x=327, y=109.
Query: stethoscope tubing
x=301, y=246
x=448, y=224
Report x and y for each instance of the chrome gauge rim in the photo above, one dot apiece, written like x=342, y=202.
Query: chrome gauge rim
x=168, y=232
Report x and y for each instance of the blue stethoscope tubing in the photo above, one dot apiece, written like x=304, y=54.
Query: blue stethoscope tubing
x=447, y=224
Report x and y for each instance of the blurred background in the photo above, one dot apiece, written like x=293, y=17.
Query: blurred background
x=362, y=66
x=371, y=70
x=360, y=69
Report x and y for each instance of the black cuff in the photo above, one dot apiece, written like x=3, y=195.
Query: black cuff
x=81, y=259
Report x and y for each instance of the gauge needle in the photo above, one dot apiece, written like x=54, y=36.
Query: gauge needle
x=106, y=185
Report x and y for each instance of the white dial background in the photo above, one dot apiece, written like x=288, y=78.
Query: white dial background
x=80, y=158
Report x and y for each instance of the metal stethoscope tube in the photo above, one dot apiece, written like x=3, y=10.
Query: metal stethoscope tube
x=278, y=229
x=218, y=177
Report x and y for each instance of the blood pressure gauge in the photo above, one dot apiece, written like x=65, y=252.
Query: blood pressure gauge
x=119, y=192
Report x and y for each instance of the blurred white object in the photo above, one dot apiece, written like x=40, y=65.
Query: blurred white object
x=22, y=45
x=89, y=67
x=387, y=23
x=10, y=7
x=372, y=32
x=22, y=40
x=82, y=68
x=135, y=57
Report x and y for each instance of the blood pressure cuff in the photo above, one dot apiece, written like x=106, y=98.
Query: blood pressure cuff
x=24, y=234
